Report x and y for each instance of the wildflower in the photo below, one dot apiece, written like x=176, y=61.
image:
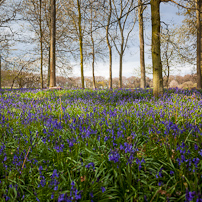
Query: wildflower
x=91, y=165
x=103, y=189
x=43, y=181
x=196, y=147
x=52, y=196
x=189, y=195
x=114, y=156
x=171, y=172
x=77, y=195
x=160, y=183
x=61, y=197
x=55, y=174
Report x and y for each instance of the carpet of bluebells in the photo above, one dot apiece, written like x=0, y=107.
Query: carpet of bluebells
x=100, y=145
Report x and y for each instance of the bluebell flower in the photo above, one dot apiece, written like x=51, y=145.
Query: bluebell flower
x=160, y=183
x=55, y=174
x=43, y=182
x=91, y=194
x=52, y=196
x=114, y=156
x=103, y=189
x=189, y=195
x=195, y=146
x=91, y=165
x=61, y=198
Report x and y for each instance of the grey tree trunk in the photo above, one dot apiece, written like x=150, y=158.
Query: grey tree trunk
x=141, y=38
x=0, y=71
x=80, y=44
x=41, y=44
x=156, y=53
x=109, y=45
x=52, y=44
x=93, y=49
x=49, y=66
x=199, y=41
x=120, y=70
x=121, y=57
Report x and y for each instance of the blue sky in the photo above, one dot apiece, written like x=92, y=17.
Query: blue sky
x=131, y=57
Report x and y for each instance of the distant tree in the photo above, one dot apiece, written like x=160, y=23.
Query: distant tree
x=52, y=44
x=8, y=11
x=141, y=38
x=109, y=12
x=199, y=41
x=173, y=84
x=121, y=11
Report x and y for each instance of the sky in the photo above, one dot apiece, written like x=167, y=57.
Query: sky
x=131, y=63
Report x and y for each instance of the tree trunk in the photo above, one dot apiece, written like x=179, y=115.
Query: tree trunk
x=0, y=71
x=156, y=54
x=120, y=69
x=49, y=66
x=168, y=67
x=109, y=45
x=80, y=44
x=93, y=49
x=121, y=59
x=141, y=37
x=41, y=44
x=52, y=44
x=199, y=41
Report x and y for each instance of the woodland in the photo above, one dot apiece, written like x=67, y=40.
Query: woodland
x=93, y=138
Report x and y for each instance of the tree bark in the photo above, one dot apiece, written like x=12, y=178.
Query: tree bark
x=0, y=71
x=52, y=44
x=141, y=38
x=93, y=49
x=80, y=44
x=109, y=45
x=199, y=33
x=49, y=66
x=156, y=53
x=120, y=69
x=41, y=44
x=121, y=57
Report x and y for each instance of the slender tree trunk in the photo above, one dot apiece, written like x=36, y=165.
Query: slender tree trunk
x=49, y=25
x=41, y=44
x=52, y=44
x=93, y=49
x=80, y=44
x=121, y=60
x=109, y=45
x=93, y=71
x=0, y=71
x=93, y=64
x=49, y=66
x=110, y=67
x=120, y=69
x=141, y=37
x=168, y=67
x=156, y=55
x=199, y=51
